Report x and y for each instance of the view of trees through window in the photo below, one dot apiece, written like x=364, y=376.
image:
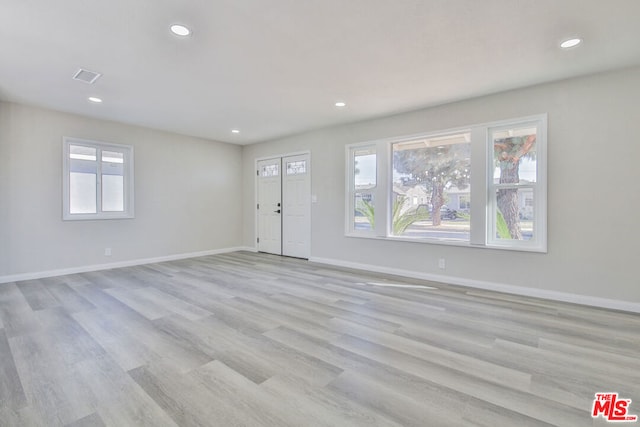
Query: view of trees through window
x=514, y=179
x=365, y=182
x=420, y=187
x=431, y=187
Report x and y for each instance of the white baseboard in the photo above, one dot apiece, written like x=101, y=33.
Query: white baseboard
x=452, y=280
x=119, y=264
x=490, y=286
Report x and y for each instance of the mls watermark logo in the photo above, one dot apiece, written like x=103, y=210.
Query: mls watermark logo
x=609, y=407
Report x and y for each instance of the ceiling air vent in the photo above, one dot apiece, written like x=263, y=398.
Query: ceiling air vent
x=86, y=76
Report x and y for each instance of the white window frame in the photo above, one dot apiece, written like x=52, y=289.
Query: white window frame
x=482, y=194
x=538, y=243
x=351, y=190
x=389, y=196
x=127, y=151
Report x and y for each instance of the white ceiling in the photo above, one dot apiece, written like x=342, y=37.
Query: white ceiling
x=275, y=68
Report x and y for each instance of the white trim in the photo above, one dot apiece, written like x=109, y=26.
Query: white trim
x=441, y=132
x=451, y=280
x=441, y=241
x=128, y=177
x=350, y=191
x=119, y=264
x=612, y=304
x=275, y=156
x=483, y=206
x=539, y=241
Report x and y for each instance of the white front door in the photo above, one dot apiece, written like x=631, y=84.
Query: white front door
x=296, y=199
x=284, y=206
x=270, y=206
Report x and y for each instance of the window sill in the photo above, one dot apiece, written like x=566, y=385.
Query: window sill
x=410, y=240
x=445, y=242
x=94, y=217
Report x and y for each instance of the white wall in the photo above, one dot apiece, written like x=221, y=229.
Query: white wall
x=593, y=202
x=187, y=194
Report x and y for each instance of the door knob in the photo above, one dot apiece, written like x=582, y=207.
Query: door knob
x=278, y=211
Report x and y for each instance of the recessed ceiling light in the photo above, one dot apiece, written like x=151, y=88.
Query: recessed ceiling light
x=235, y=131
x=180, y=30
x=95, y=99
x=340, y=104
x=570, y=43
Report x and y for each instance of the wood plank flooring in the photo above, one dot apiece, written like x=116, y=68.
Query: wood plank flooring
x=248, y=339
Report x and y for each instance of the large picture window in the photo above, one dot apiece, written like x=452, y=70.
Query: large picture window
x=431, y=187
x=97, y=180
x=482, y=186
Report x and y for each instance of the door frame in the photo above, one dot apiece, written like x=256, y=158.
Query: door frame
x=255, y=192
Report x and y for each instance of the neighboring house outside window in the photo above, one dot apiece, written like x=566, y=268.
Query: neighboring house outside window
x=482, y=186
x=362, y=188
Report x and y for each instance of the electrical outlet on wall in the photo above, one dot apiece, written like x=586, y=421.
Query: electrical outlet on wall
x=441, y=263
x=107, y=251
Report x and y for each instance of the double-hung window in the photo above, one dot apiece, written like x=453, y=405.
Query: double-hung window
x=361, y=189
x=482, y=185
x=97, y=180
x=516, y=185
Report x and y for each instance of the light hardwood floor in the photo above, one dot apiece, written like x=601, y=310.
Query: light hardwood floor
x=249, y=339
